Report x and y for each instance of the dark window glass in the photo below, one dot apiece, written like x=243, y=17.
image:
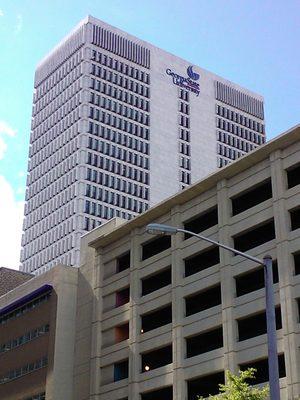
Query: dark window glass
x=156, y=318
x=201, y=261
x=121, y=370
x=202, y=222
x=205, y=385
x=256, y=325
x=123, y=262
x=293, y=176
x=262, y=369
x=155, y=246
x=156, y=281
x=295, y=218
x=156, y=358
x=203, y=300
x=254, y=280
x=122, y=297
x=204, y=342
x=297, y=263
x=160, y=394
x=255, y=236
x=251, y=197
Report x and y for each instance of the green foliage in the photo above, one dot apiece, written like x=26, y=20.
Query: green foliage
x=237, y=388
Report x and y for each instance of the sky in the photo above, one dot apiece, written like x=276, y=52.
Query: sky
x=253, y=43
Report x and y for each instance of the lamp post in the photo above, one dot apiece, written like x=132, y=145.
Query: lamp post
x=270, y=305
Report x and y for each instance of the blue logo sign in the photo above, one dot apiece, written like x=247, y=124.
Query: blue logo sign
x=193, y=75
x=186, y=83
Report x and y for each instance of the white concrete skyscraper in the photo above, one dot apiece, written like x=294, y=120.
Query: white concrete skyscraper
x=117, y=126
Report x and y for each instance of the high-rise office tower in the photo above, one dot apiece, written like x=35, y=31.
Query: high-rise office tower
x=118, y=125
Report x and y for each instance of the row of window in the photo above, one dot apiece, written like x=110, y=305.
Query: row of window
x=240, y=119
x=231, y=140
x=98, y=193
x=57, y=114
x=119, y=123
x=36, y=254
x=108, y=213
x=59, y=75
x=43, y=162
x=120, y=109
x=52, y=101
x=34, y=242
x=117, y=137
x=117, y=106
x=24, y=309
x=51, y=198
x=115, y=182
x=239, y=131
x=58, y=176
x=117, y=152
x=27, y=337
x=55, y=130
x=115, y=199
x=121, y=67
x=228, y=152
x=184, y=138
x=184, y=108
x=238, y=99
x=26, y=369
x=44, y=218
x=119, y=94
x=119, y=80
x=222, y=162
x=53, y=139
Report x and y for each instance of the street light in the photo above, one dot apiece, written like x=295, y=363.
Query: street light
x=161, y=229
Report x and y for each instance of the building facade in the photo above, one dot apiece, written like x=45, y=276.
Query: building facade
x=119, y=125
x=37, y=321
x=160, y=317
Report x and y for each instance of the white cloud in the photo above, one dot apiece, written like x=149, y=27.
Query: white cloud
x=11, y=219
x=5, y=130
x=19, y=24
x=1, y=13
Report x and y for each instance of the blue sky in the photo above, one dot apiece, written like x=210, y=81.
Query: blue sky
x=253, y=43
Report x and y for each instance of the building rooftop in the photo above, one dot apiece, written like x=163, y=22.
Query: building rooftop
x=11, y=278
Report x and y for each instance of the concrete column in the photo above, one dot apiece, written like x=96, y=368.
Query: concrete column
x=286, y=286
x=227, y=281
x=134, y=328
x=179, y=391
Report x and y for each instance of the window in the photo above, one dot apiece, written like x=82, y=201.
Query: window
x=297, y=263
x=122, y=297
x=295, y=218
x=156, y=358
x=123, y=262
x=254, y=280
x=255, y=236
x=159, y=394
x=202, y=222
x=156, y=318
x=155, y=246
x=205, y=385
x=204, y=342
x=293, y=176
x=203, y=300
x=156, y=281
x=121, y=332
x=201, y=261
x=262, y=369
x=120, y=370
x=251, y=197
x=256, y=325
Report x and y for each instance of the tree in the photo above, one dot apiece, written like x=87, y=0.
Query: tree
x=237, y=388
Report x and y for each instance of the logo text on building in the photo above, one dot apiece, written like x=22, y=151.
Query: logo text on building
x=186, y=83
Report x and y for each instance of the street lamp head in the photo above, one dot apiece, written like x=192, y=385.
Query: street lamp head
x=160, y=229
